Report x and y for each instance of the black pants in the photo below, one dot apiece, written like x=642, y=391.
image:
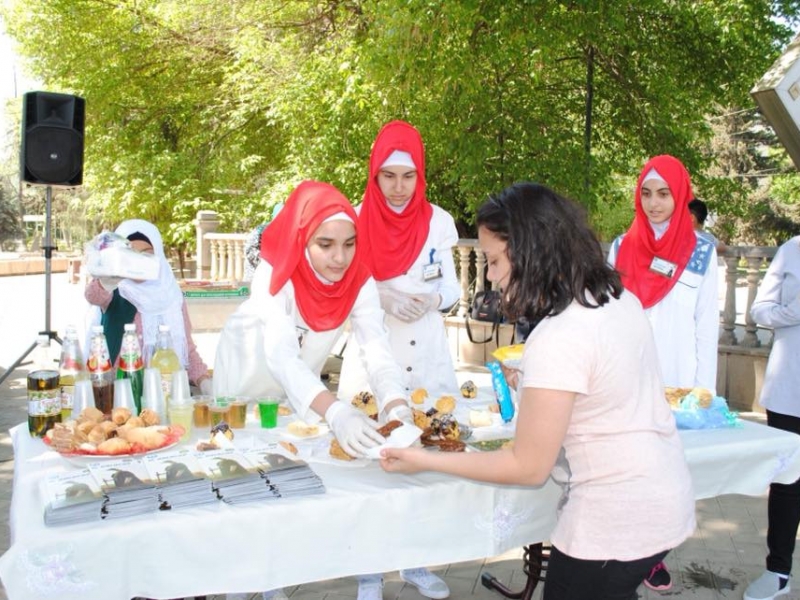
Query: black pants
x=783, y=508
x=574, y=579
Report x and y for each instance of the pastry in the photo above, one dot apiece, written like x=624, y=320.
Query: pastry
x=120, y=415
x=289, y=446
x=149, y=416
x=422, y=419
x=703, y=395
x=418, y=395
x=469, y=389
x=302, y=429
x=480, y=418
x=283, y=411
x=675, y=395
x=115, y=445
x=446, y=404
x=336, y=451
x=365, y=402
x=389, y=427
x=90, y=413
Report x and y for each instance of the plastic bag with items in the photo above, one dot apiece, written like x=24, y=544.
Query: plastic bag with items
x=110, y=255
x=690, y=413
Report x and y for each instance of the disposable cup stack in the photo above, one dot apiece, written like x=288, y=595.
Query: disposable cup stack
x=152, y=396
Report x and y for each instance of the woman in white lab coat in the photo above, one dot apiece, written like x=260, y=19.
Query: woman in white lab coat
x=408, y=243
x=310, y=281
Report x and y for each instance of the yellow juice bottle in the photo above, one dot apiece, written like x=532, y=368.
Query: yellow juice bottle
x=165, y=360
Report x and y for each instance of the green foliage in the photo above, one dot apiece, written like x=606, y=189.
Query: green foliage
x=227, y=105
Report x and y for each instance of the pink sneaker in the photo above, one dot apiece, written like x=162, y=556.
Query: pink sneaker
x=659, y=579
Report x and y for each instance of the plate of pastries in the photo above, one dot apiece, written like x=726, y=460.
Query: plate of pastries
x=94, y=434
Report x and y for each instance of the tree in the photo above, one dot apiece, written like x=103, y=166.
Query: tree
x=228, y=104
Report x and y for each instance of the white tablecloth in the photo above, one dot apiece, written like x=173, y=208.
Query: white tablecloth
x=368, y=521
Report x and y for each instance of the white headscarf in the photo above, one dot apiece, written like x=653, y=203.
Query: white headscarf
x=159, y=301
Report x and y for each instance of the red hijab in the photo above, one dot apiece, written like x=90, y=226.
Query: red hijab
x=391, y=242
x=283, y=244
x=640, y=246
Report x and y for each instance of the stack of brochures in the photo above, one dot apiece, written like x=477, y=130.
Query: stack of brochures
x=180, y=478
x=128, y=487
x=73, y=497
x=288, y=477
x=176, y=479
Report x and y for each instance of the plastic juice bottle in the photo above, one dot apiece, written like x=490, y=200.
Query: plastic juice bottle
x=100, y=372
x=71, y=368
x=131, y=365
x=44, y=400
x=165, y=360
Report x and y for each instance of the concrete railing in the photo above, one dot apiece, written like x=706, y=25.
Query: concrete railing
x=743, y=346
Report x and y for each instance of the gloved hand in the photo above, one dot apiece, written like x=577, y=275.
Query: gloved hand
x=428, y=302
x=401, y=412
x=353, y=429
x=207, y=386
x=400, y=305
x=109, y=284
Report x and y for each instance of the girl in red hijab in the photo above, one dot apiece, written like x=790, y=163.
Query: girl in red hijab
x=311, y=279
x=673, y=272
x=408, y=244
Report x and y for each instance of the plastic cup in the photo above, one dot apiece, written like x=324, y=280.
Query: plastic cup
x=179, y=392
x=268, y=412
x=218, y=411
x=237, y=412
x=152, y=395
x=83, y=398
x=180, y=413
x=202, y=417
x=123, y=395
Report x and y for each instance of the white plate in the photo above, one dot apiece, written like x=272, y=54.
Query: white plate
x=84, y=459
x=283, y=432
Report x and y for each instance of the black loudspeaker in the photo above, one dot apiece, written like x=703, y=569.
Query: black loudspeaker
x=51, y=152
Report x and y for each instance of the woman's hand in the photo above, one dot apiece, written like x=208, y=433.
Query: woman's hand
x=404, y=460
x=511, y=375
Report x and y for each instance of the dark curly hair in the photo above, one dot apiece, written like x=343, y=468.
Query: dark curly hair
x=555, y=256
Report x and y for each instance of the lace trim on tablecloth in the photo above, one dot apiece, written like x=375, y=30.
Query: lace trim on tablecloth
x=504, y=518
x=52, y=572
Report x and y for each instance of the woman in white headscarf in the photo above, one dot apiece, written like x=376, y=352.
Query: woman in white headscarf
x=148, y=304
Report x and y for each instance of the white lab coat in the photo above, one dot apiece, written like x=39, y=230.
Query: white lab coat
x=686, y=321
x=267, y=349
x=420, y=347
x=777, y=305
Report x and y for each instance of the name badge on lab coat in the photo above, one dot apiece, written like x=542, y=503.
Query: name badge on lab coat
x=432, y=271
x=663, y=267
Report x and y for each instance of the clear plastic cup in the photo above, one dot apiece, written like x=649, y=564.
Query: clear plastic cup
x=123, y=395
x=83, y=398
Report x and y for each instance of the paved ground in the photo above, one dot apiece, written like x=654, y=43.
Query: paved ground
x=726, y=551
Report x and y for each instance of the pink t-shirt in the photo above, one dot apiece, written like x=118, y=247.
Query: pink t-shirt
x=627, y=489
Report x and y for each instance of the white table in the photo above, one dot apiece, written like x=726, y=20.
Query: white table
x=368, y=521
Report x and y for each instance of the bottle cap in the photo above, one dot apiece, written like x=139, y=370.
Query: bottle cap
x=162, y=328
x=130, y=326
x=97, y=329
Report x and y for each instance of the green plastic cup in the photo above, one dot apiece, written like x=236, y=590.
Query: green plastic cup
x=268, y=412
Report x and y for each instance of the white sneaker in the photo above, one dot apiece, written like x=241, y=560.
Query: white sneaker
x=767, y=587
x=274, y=595
x=427, y=584
x=370, y=587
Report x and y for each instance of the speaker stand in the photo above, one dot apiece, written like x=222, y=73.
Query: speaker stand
x=48, y=255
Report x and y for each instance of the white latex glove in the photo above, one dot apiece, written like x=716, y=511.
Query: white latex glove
x=353, y=429
x=207, y=386
x=400, y=305
x=109, y=284
x=428, y=302
x=401, y=412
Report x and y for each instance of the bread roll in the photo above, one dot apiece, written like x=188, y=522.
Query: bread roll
x=302, y=429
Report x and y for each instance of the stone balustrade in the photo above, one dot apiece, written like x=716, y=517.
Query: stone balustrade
x=743, y=348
